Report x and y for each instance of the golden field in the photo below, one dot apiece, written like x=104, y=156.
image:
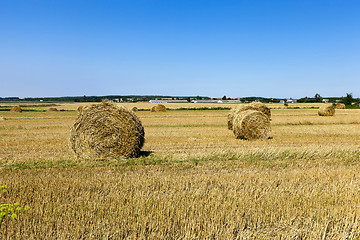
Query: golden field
x=194, y=180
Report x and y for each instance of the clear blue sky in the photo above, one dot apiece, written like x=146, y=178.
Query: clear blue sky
x=288, y=48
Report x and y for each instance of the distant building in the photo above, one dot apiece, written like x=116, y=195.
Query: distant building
x=168, y=101
x=176, y=101
x=205, y=101
x=229, y=101
x=157, y=101
x=325, y=100
x=282, y=101
x=291, y=101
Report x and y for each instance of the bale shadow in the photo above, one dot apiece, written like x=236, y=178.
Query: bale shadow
x=145, y=153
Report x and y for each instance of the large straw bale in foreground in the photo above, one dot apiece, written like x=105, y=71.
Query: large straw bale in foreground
x=106, y=131
x=327, y=110
x=234, y=111
x=158, y=108
x=80, y=108
x=252, y=106
x=262, y=108
x=230, y=118
x=340, y=106
x=16, y=109
x=251, y=124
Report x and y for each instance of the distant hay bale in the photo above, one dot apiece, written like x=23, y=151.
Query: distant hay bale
x=134, y=109
x=251, y=124
x=340, y=106
x=52, y=109
x=16, y=109
x=2, y=119
x=327, y=110
x=104, y=131
x=243, y=107
x=158, y=108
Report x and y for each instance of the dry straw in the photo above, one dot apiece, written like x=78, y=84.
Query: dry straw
x=327, y=110
x=262, y=108
x=230, y=118
x=251, y=124
x=158, y=108
x=80, y=108
x=252, y=106
x=2, y=119
x=52, y=110
x=16, y=109
x=104, y=131
x=340, y=106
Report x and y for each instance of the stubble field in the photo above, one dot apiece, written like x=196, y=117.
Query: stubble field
x=194, y=180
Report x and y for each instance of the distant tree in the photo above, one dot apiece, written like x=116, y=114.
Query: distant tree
x=124, y=99
x=304, y=100
x=318, y=98
x=348, y=100
x=188, y=99
x=224, y=98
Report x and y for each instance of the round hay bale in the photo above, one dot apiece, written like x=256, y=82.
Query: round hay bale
x=16, y=109
x=327, y=110
x=52, y=109
x=2, y=119
x=158, y=108
x=340, y=106
x=134, y=109
x=230, y=118
x=258, y=106
x=261, y=107
x=104, y=131
x=251, y=124
x=234, y=111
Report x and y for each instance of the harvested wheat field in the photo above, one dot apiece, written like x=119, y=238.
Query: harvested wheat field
x=192, y=178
